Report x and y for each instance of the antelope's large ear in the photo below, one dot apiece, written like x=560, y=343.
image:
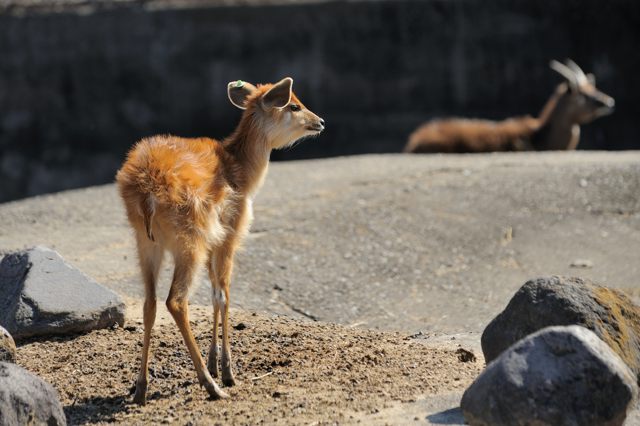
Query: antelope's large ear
x=239, y=91
x=279, y=95
x=566, y=72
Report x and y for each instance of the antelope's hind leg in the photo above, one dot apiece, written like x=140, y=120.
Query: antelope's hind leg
x=187, y=262
x=150, y=257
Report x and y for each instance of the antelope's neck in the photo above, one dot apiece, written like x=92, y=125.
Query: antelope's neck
x=558, y=131
x=249, y=160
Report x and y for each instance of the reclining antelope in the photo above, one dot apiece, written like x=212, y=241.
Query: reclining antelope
x=192, y=197
x=574, y=102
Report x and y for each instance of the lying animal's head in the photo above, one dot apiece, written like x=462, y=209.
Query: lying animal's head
x=582, y=101
x=276, y=111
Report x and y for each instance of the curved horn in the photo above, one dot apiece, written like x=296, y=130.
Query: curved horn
x=581, y=77
x=566, y=72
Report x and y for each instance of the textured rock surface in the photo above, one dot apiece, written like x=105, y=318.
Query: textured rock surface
x=557, y=376
x=448, y=238
x=27, y=399
x=554, y=300
x=40, y=294
x=7, y=346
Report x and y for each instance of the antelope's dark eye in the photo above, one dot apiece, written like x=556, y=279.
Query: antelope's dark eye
x=294, y=107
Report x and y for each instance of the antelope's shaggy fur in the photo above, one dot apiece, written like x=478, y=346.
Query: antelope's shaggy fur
x=192, y=198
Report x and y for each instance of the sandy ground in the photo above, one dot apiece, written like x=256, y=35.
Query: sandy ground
x=289, y=371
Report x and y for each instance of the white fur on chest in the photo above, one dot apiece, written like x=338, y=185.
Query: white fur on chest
x=233, y=216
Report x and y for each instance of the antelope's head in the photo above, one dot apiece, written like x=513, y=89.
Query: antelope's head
x=583, y=103
x=276, y=111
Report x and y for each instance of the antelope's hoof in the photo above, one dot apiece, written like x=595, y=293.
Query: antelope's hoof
x=214, y=391
x=228, y=380
x=140, y=396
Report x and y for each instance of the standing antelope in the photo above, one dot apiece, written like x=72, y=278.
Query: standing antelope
x=574, y=102
x=192, y=197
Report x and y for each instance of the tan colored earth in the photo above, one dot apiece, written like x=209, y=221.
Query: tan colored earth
x=289, y=371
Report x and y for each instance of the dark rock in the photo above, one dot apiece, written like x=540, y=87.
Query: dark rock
x=554, y=300
x=7, y=346
x=465, y=355
x=40, y=294
x=557, y=376
x=25, y=399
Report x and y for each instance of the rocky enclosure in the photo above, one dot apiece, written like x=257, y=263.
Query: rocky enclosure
x=350, y=240
x=436, y=243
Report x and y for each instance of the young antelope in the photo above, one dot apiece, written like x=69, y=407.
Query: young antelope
x=192, y=198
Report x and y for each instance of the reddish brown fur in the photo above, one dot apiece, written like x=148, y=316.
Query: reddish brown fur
x=192, y=197
x=460, y=135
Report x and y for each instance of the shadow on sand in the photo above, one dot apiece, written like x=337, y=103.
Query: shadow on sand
x=102, y=409
x=452, y=416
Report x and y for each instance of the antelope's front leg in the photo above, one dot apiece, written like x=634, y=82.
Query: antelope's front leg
x=214, y=349
x=224, y=266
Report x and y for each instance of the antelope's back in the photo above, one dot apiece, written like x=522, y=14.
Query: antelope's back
x=470, y=135
x=172, y=173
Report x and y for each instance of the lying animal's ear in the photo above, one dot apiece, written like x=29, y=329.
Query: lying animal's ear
x=591, y=79
x=279, y=95
x=566, y=72
x=239, y=91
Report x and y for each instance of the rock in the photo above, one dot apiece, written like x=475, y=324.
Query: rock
x=27, y=399
x=465, y=355
x=40, y=294
x=557, y=376
x=557, y=300
x=581, y=263
x=7, y=346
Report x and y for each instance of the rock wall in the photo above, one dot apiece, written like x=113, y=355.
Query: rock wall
x=80, y=82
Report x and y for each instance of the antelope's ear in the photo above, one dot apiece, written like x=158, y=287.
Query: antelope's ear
x=279, y=95
x=591, y=79
x=566, y=72
x=238, y=92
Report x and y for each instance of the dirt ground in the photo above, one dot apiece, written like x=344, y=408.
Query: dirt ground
x=289, y=371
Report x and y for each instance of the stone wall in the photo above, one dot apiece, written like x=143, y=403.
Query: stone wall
x=80, y=82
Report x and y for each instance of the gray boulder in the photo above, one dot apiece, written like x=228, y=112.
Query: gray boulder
x=557, y=376
x=26, y=399
x=40, y=294
x=7, y=346
x=554, y=300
